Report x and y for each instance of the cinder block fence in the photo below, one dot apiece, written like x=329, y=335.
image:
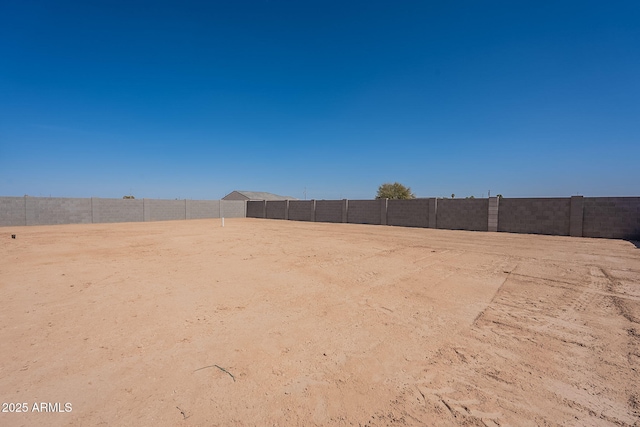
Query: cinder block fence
x=56, y=210
x=609, y=217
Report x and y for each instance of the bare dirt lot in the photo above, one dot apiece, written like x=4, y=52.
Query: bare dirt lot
x=264, y=322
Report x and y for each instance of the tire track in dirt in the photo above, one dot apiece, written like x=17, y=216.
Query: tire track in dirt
x=537, y=335
x=621, y=301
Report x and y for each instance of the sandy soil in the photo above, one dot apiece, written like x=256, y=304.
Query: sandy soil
x=265, y=322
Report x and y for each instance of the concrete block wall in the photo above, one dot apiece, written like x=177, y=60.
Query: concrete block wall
x=612, y=217
x=16, y=211
x=202, y=209
x=329, y=210
x=116, y=210
x=164, y=210
x=408, y=213
x=233, y=208
x=301, y=210
x=607, y=217
x=463, y=214
x=365, y=212
x=12, y=211
x=576, y=216
x=276, y=209
x=255, y=209
x=535, y=216
x=57, y=210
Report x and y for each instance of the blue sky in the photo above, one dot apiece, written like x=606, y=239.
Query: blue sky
x=195, y=99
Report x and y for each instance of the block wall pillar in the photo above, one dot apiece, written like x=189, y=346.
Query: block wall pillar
x=313, y=211
x=345, y=210
x=494, y=203
x=433, y=212
x=384, y=204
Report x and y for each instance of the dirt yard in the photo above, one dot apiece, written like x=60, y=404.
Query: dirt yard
x=282, y=323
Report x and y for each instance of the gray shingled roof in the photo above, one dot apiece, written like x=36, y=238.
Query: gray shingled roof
x=261, y=195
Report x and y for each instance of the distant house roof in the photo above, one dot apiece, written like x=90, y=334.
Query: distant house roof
x=255, y=195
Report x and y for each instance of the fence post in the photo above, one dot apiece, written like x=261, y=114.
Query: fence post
x=286, y=210
x=384, y=203
x=433, y=212
x=313, y=211
x=345, y=210
x=494, y=203
x=264, y=210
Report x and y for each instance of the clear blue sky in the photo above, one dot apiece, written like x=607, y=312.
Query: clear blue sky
x=183, y=99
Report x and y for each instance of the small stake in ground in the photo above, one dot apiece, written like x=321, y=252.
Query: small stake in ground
x=184, y=415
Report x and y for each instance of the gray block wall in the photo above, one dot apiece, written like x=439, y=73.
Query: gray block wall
x=164, y=210
x=408, y=213
x=535, y=216
x=17, y=211
x=607, y=217
x=329, y=210
x=463, y=214
x=117, y=210
x=612, y=217
x=233, y=208
x=12, y=211
x=57, y=210
x=202, y=209
x=364, y=212
x=576, y=216
x=255, y=209
x=276, y=209
x=301, y=210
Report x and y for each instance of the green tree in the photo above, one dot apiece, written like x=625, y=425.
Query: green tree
x=453, y=196
x=394, y=191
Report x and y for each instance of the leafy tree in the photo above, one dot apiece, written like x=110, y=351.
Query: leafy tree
x=394, y=191
x=499, y=196
x=128, y=197
x=453, y=196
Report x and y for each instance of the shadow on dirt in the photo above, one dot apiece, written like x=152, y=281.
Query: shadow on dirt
x=635, y=242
